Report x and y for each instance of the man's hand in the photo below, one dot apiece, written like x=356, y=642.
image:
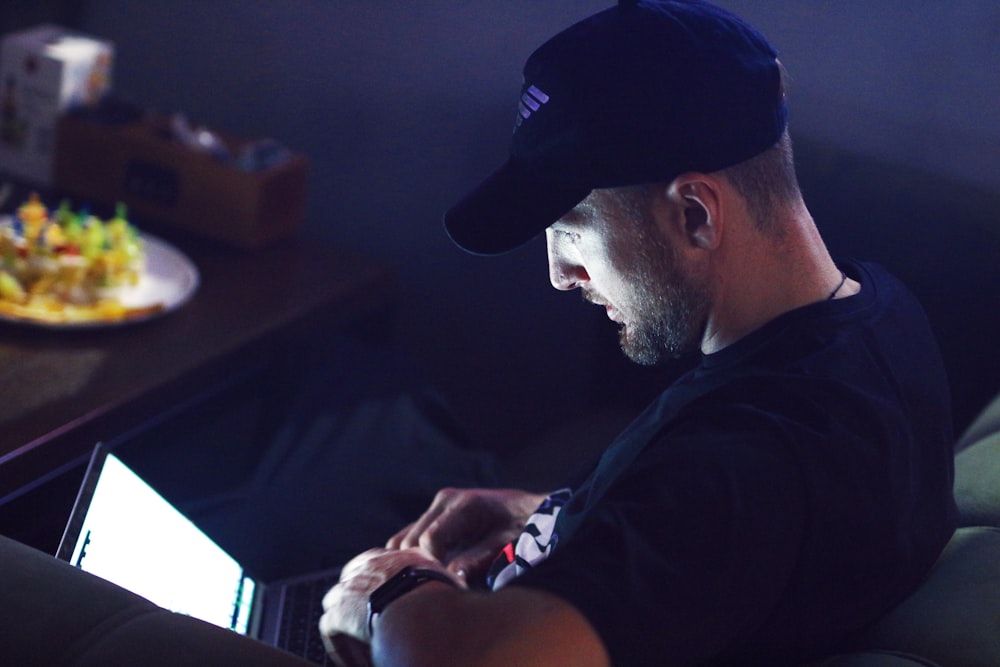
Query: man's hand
x=517, y=625
x=344, y=624
x=465, y=529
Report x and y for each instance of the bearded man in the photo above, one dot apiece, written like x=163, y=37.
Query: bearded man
x=773, y=501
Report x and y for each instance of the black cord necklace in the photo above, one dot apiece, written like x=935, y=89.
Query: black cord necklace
x=843, y=279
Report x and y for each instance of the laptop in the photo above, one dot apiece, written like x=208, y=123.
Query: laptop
x=122, y=530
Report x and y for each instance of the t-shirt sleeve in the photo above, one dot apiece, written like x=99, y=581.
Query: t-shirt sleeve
x=689, y=550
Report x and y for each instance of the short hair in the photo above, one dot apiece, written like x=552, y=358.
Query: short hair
x=766, y=182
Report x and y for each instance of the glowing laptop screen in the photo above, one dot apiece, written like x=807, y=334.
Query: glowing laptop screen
x=133, y=537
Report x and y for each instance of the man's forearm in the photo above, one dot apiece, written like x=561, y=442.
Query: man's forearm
x=439, y=626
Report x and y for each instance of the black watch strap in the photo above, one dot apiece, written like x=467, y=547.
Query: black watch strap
x=399, y=584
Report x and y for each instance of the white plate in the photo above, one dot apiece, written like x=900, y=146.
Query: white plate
x=169, y=280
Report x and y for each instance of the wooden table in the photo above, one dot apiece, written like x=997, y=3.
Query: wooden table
x=63, y=391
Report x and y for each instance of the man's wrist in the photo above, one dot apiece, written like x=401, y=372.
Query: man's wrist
x=400, y=584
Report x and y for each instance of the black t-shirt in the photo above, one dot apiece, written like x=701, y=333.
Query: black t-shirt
x=784, y=494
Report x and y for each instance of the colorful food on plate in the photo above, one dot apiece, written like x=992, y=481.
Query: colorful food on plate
x=68, y=266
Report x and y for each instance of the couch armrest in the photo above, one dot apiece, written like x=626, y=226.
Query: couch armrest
x=977, y=482
x=953, y=619
x=55, y=614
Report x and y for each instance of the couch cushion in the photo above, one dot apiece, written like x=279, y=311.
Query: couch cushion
x=977, y=482
x=977, y=469
x=984, y=425
x=55, y=614
x=954, y=618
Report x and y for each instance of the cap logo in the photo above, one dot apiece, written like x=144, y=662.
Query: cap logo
x=531, y=101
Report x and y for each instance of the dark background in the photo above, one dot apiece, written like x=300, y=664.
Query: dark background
x=403, y=105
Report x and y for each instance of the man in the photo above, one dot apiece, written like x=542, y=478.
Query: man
x=775, y=500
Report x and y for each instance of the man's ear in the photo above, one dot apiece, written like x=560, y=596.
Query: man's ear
x=698, y=197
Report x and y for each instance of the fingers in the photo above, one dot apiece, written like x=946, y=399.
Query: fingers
x=465, y=528
x=396, y=541
x=416, y=534
x=473, y=564
x=345, y=606
x=449, y=533
x=361, y=562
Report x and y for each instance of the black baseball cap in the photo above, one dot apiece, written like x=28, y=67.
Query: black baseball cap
x=638, y=93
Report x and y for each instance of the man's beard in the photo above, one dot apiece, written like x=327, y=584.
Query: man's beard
x=668, y=326
x=669, y=308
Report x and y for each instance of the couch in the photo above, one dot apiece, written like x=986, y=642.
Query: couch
x=953, y=619
x=51, y=613
x=54, y=614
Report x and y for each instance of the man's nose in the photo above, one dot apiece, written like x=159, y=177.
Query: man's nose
x=564, y=272
x=567, y=276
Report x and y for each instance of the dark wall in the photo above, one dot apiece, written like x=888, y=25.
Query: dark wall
x=404, y=105
x=401, y=107
x=20, y=14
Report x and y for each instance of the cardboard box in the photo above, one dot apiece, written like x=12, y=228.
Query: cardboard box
x=44, y=71
x=138, y=162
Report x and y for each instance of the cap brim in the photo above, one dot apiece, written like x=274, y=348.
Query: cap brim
x=507, y=210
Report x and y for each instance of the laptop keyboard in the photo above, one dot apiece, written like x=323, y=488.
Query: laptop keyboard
x=299, y=631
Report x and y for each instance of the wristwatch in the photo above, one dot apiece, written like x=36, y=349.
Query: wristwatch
x=400, y=584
